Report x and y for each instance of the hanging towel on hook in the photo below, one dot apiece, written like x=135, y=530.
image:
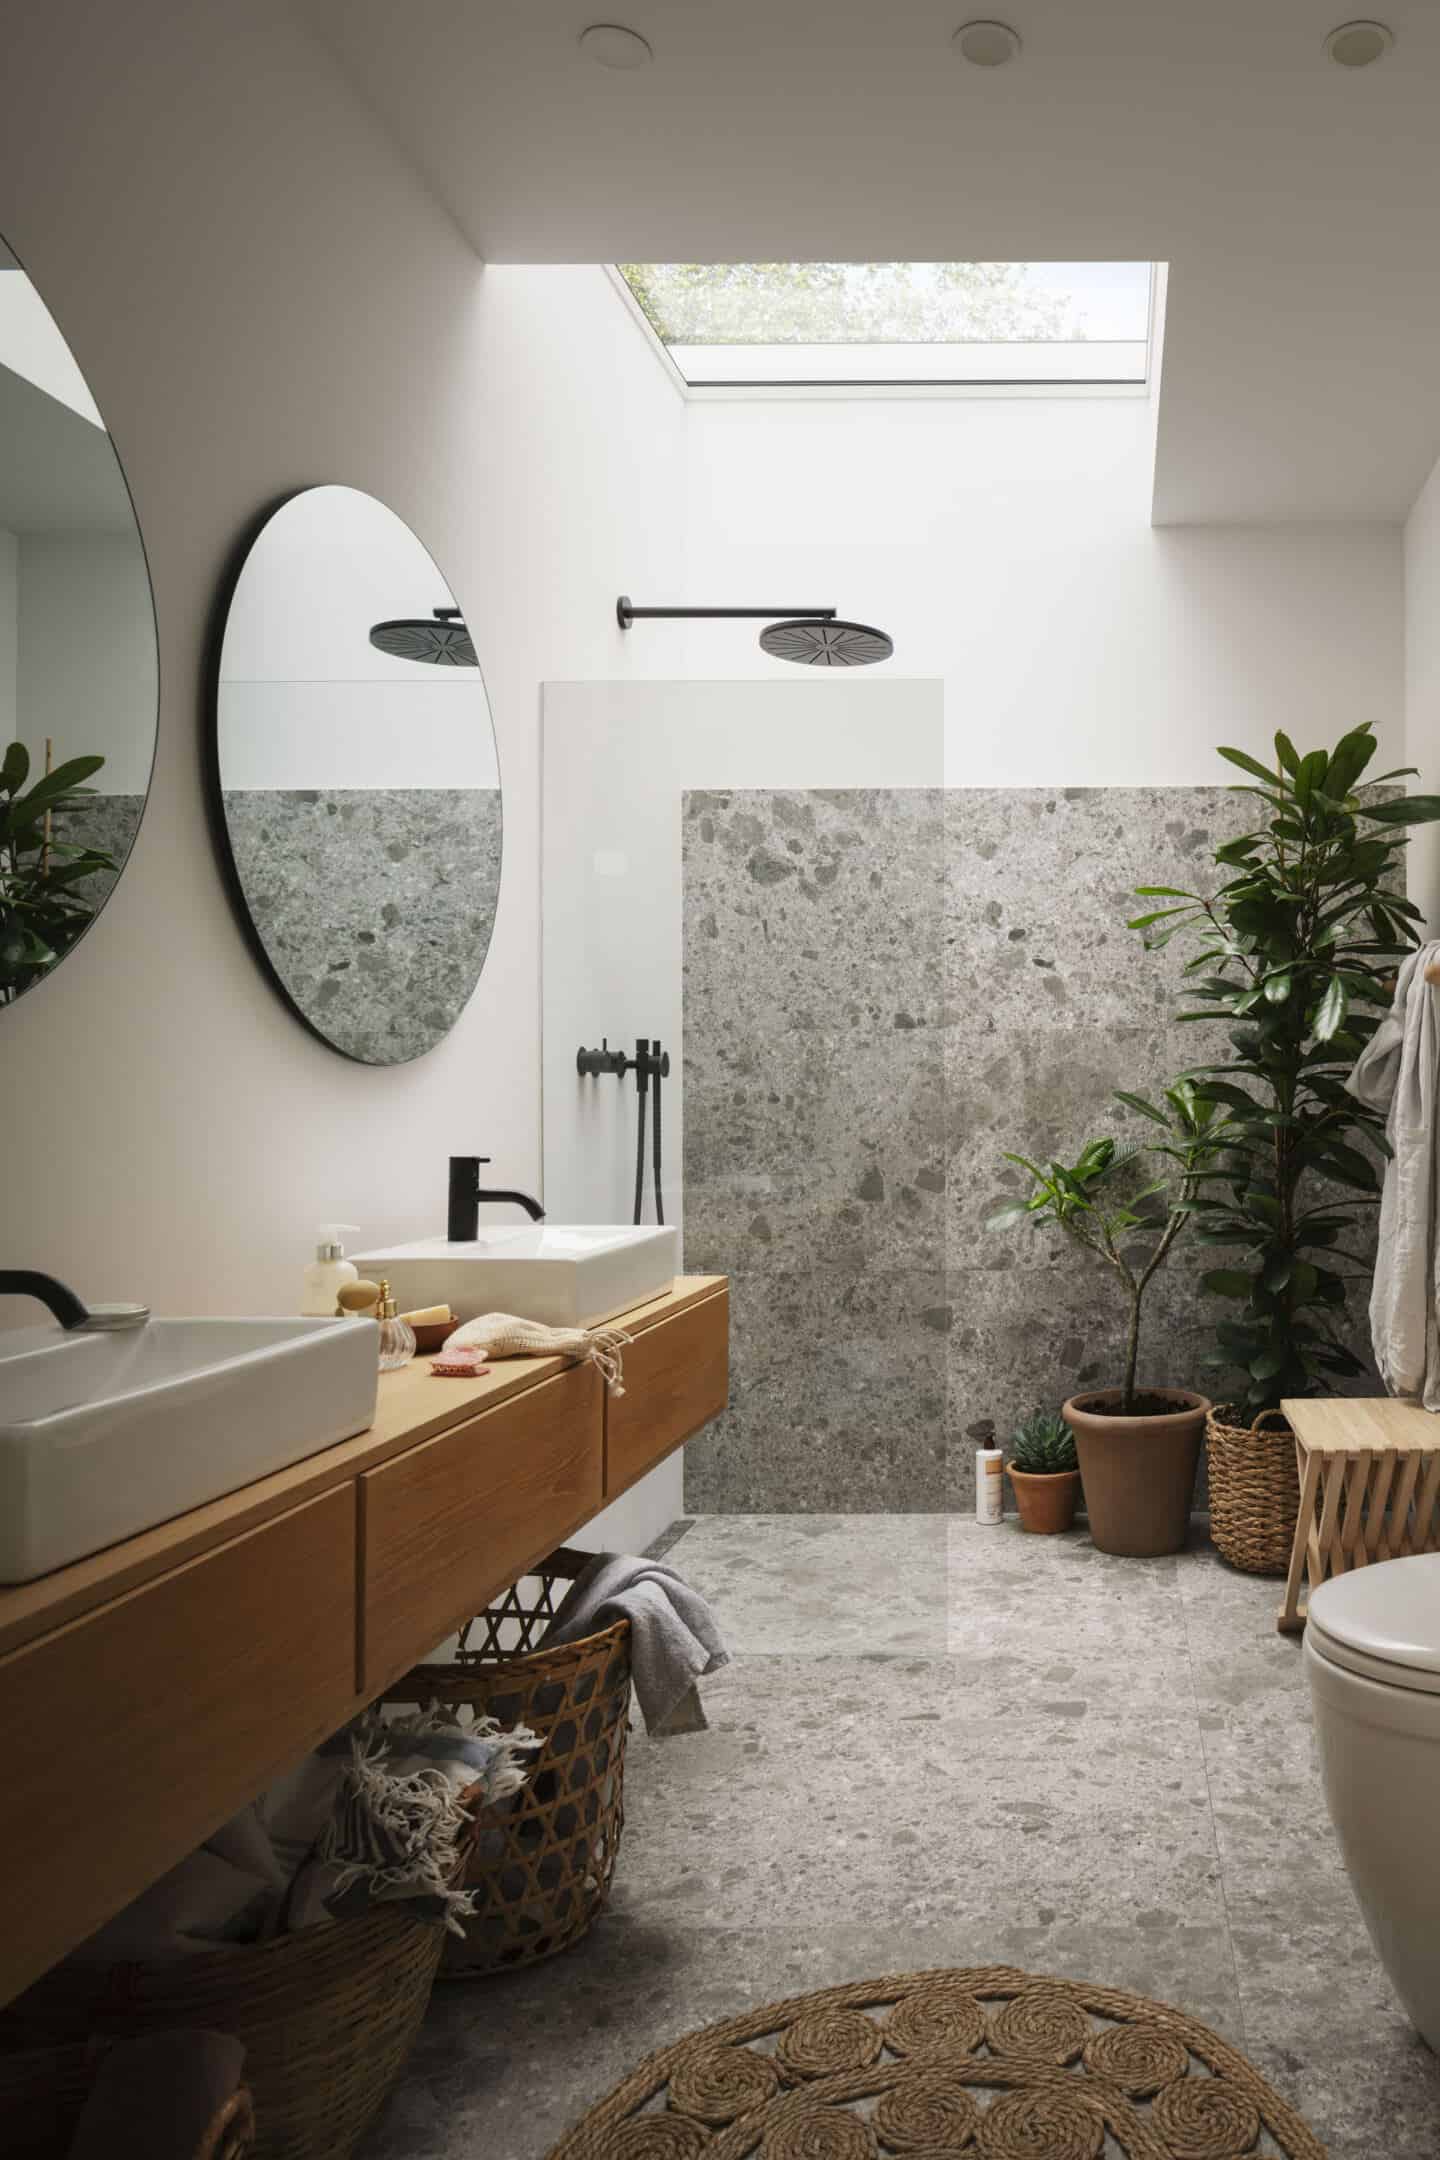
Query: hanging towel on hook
x=499, y=1334
x=1398, y=1072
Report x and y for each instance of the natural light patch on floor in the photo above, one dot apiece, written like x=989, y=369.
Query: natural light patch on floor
x=879, y=324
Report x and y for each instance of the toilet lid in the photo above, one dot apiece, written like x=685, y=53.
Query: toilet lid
x=1383, y=1621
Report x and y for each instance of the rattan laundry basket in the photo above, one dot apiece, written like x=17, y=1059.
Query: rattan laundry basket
x=541, y=1861
x=1254, y=1489
x=327, y=2016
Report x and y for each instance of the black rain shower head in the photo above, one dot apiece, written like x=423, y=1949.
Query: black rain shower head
x=443, y=641
x=826, y=643
x=812, y=637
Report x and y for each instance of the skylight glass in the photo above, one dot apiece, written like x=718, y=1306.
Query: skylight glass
x=898, y=323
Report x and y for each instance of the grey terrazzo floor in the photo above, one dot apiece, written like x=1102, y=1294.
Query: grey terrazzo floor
x=946, y=1745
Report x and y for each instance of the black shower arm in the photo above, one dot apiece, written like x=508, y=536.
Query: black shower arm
x=626, y=613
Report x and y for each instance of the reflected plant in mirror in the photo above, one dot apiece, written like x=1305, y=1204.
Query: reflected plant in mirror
x=78, y=667
x=354, y=776
x=51, y=888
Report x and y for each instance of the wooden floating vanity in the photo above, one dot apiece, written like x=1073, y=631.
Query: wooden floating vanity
x=151, y=1690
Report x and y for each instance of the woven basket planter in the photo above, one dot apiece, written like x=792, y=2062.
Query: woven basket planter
x=327, y=2016
x=542, y=1860
x=1254, y=1489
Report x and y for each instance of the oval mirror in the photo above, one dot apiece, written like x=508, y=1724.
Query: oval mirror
x=355, y=776
x=79, y=672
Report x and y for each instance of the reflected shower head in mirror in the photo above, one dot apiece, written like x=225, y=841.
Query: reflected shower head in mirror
x=354, y=778
x=811, y=637
x=443, y=640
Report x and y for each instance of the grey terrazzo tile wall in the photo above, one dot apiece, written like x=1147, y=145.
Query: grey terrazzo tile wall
x=884, y=990
x=815, y=1142
x=365, y=897
x=110, y=823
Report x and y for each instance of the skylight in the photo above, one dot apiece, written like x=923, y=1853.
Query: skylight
x=924, y=325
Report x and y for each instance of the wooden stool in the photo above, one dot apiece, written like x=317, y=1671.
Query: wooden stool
x=1369, y=1489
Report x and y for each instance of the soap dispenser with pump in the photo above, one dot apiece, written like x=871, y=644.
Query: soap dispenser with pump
x=328, y=1273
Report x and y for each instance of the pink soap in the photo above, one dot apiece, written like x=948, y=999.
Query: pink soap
x=461, y=1364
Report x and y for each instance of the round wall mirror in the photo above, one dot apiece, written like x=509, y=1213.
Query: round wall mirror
x=355, y=776
x=79, y=674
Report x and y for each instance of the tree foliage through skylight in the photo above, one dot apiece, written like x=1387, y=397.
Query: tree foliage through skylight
x=851, y=303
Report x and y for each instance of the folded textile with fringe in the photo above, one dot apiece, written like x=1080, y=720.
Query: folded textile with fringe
x=404, y=1814
x=381, y=1811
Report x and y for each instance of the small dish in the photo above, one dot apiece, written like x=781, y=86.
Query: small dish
x=431, y=1335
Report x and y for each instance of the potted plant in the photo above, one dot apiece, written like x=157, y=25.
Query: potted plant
x=1045, y=1473
x=1297, y=952
x=1138, y=1448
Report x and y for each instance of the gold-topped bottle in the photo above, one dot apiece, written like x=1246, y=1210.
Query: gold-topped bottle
x=397, y=1338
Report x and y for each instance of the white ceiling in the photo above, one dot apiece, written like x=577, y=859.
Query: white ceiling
x=1297, y=203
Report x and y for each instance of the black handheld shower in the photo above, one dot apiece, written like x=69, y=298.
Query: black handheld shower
x=650, y=1062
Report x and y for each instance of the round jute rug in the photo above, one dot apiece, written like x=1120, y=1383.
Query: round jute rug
x=990, y=2062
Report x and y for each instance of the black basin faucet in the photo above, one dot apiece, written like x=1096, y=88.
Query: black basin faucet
x=466, y=1194
x=69, y=1310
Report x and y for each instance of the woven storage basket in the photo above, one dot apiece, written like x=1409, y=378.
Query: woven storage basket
x=541, y=1861
x=43, y=2093
x=1254, y=1489
x=327, y=2016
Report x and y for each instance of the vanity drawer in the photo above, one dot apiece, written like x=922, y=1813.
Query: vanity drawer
x=677, y=1377
x=134, y=1732
x=450, y=1522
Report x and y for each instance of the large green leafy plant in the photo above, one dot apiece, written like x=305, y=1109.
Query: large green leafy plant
x=1109, y=1204
x=1298, y=949
x=43, y=908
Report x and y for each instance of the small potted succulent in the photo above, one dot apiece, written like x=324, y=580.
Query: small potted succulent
x=1044, y=1470
x=1125, y=1204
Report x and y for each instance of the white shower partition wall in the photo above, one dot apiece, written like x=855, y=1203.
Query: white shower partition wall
x=619, y=762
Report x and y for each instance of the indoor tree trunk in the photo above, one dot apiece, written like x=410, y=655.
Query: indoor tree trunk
x=1132, y=1358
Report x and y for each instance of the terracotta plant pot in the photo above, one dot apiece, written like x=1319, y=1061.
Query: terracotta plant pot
x=1139, y=1472
x=1046, y=1499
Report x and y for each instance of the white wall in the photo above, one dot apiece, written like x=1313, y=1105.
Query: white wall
x=262, y=296
x=1422, y=685
x=32, y=344
x=85, y=674
x=1005, y=544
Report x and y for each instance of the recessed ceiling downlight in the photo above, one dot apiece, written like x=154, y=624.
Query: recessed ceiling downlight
x=1358, y=44
x=986, y=44
x=613, y=46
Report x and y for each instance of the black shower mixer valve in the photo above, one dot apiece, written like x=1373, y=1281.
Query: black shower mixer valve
x=650, y=1061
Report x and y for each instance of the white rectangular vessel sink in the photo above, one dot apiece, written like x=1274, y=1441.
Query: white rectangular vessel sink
x=564, y=1274
x=104, y=1435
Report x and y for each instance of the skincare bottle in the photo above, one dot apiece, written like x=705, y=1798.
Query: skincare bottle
x=327, y=1273
x=989, y=1491
x=397, y=1337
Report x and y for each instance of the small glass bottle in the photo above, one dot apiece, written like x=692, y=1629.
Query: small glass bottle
x=397, y=1338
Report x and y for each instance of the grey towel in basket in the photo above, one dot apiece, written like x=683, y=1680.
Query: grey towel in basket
x=674, y=1636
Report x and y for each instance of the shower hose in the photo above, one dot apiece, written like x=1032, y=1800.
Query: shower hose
x=640, y=1149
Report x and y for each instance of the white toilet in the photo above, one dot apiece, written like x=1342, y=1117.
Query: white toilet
x=1372, y=1653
